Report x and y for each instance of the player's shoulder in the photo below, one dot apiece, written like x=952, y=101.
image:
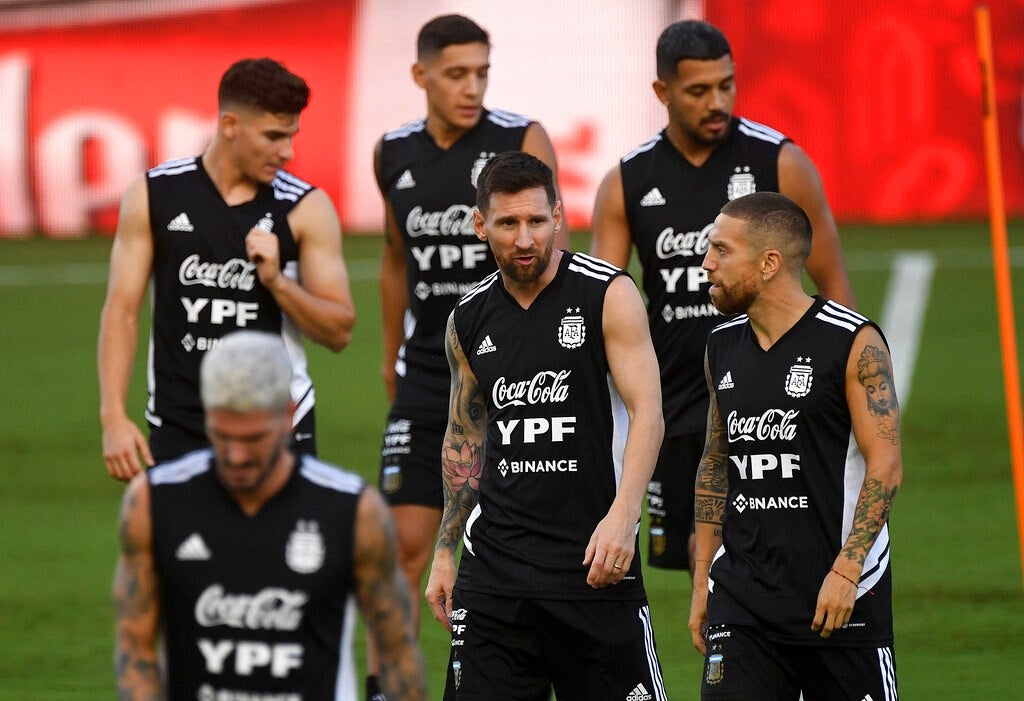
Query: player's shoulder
x=760, y=132
x=328, y=476
x=507, y=119
x=176, y=166
x=287, y=186
x=405, y=131
x=591, y=268
x=475, y=294
x=833, y=315
x=183, y=469
x=646, y=147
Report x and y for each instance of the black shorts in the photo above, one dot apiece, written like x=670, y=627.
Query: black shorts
x=742, y=664
x=515, y=649
x=670, y=501
x=410, y=452
x=171, y=441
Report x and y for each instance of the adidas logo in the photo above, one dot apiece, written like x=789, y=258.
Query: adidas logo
x=405, y=182
x=726, y=382
x=639, y=693
x=486, y=346
x=653, y=198
x=192, y=548
x=181, y=223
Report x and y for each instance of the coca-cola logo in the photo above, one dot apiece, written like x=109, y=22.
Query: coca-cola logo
x=772, y=425
x=272, y=608
x=235, y=274
x=691, y=243
x=457, y=220
x=546, y=387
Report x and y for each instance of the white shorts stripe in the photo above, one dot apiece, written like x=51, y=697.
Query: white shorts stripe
x=652, y=655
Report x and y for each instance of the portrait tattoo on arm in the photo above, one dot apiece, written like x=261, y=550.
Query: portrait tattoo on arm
x=874, y=372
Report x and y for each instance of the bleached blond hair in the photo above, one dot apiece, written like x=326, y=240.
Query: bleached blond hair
x=246, y=371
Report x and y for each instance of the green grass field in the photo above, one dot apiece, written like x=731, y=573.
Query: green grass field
x=958, y=590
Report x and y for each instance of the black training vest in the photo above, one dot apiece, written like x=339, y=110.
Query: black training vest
x=670, y=206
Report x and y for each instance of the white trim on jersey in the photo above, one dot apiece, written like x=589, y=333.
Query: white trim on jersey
x=887, y=665
x=467, y=534
x=151, y=415
x=182, y=469
x=620, y=429
x=844, y=312
x=406, y=129
x=652, y=654
x=345, y=687
x=504, y=118
x=645, y=146
x=174, y=167
x=302, y=385
x=760, y=131
x=294, y=180
x=481, y=286
x=330, y=476
x=598, y=264
x=741, y=319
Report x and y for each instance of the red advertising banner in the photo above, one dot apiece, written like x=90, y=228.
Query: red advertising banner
x=86, y=107
x=885, y=97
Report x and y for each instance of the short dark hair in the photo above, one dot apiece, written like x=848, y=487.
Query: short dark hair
x=775, y=221
x=446, y=30
x=262, y=84
x=689, y=39
x=511, y=172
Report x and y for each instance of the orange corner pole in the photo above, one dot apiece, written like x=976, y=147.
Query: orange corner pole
x=1001, y=262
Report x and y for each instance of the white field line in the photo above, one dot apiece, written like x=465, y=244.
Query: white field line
x=903, y=313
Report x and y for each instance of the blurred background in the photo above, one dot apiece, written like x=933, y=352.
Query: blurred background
x=884, y=96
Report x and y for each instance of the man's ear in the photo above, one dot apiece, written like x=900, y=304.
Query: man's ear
x=419, y=72
x=478, y=225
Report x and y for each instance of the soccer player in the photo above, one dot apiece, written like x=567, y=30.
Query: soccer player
x=229, y=240
x=662, y=198
x=792, y=584
x=553, y=428
x=245, y=559
x=427, y=172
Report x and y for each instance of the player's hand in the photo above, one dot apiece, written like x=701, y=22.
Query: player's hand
x=264, y=249
x=835, y=603
x=610, y=550
x=698, y=622
x=122, y=444
x=439, y=587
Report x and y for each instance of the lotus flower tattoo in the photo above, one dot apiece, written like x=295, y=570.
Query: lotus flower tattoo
x=463, y=465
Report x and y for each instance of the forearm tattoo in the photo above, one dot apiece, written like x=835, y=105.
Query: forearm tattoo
x=388, y=615
x=712, y=483
x=871, y=514
x=135, y=664
x=874, y=371
x=462, y=454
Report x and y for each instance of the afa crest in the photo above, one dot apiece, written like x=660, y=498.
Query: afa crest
x=799, y=378
x=715, y=669
x=572, y=332
x=478, y=165
x=741, y=183
x=305, y=550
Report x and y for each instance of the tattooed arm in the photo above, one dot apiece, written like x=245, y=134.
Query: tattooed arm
x=136, y=600
x=462, y=457
x=875, y=414
x=383, y=597
x=710, y=489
